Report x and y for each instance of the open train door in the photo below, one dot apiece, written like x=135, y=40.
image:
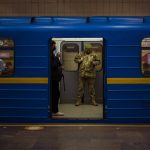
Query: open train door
x=69, y=48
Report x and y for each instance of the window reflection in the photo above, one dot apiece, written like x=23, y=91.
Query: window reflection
x=6, y=57
x=145, y=63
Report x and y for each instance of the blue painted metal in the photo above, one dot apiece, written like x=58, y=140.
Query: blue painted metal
x=42, y=20
x=122, y=46
x=98, y=20
x=15, y=20
x=126, y=20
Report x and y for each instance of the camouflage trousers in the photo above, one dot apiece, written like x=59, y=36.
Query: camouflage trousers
x=91, y=89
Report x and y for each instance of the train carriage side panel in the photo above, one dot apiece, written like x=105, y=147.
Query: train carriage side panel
x=128, y=93
x=25, y=94
x=122, y=46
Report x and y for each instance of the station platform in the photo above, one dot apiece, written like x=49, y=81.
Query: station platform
x=74, y=137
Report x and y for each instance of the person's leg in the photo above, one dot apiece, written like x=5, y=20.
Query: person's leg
x=80, y=91
x=55, y=99
x=55, y=96
x=91, y=90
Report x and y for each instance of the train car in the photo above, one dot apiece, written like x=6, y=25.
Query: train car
x=122, y=80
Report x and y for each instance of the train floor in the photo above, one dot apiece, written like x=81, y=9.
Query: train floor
x=74, y=137
x=85, y=111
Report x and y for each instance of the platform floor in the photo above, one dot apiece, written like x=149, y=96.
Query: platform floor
x=76, y=137
x=81, y=112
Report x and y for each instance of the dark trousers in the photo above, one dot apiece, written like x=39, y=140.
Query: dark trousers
x=55, y=96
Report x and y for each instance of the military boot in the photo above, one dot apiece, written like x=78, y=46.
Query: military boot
x=94, y=103
x=78, y=102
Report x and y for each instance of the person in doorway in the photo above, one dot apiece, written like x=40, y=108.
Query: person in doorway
x=87, y=73
x=56, y=70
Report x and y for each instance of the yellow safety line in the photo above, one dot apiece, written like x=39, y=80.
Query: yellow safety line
x=128, y=80
x=23, y=80
x=45, y=80
x=76, y=125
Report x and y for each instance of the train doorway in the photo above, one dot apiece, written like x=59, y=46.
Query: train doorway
x=68, y=50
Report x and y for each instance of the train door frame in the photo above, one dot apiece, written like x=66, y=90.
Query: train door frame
x=103, y=69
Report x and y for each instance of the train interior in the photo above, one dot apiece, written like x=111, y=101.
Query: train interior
x=67, y=49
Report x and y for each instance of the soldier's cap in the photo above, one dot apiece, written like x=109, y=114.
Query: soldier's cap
x=88, y=45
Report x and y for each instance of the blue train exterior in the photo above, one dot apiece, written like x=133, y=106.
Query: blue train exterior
x=25, y=95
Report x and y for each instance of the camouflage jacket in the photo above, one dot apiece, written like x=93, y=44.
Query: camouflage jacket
x=87, y=64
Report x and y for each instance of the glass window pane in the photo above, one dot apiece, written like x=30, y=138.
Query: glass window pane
x=69, y=51
x=6, y=57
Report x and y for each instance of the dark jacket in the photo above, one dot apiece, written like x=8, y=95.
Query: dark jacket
x=56, y=69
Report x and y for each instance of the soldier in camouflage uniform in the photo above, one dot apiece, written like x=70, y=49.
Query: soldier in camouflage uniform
x=87, y=73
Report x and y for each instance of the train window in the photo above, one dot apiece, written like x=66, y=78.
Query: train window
x=69, y=51
x=6, y=57
x=145, y=61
